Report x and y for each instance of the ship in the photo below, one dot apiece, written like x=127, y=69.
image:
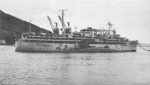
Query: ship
x=89, y=40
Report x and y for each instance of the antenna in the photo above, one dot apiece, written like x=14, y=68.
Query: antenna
x=0, y=25
x=30, y=27
x=108, y=10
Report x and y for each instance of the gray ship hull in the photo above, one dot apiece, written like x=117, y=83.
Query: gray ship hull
x=22, y=46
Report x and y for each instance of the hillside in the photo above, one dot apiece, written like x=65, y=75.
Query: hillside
x=11, y=26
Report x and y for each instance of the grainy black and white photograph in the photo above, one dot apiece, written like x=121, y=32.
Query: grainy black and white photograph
x=74, y=42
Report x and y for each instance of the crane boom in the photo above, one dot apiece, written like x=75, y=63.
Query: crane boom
x=50, y=21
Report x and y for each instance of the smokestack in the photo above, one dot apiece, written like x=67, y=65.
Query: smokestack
x=56, y=24
x=68, y=24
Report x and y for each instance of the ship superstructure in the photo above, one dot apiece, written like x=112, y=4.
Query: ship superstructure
x=87, y=40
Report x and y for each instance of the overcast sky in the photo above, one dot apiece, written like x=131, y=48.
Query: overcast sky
x=131, y=18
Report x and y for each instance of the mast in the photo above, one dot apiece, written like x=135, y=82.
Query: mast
x=110, y=26
x=62, y=18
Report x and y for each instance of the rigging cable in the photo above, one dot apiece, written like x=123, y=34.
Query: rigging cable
x=4, y=48
x=142, y=47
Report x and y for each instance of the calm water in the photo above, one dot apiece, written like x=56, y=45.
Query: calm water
x=131, y=68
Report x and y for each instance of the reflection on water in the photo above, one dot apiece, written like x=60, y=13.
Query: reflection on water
x=132, y=68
